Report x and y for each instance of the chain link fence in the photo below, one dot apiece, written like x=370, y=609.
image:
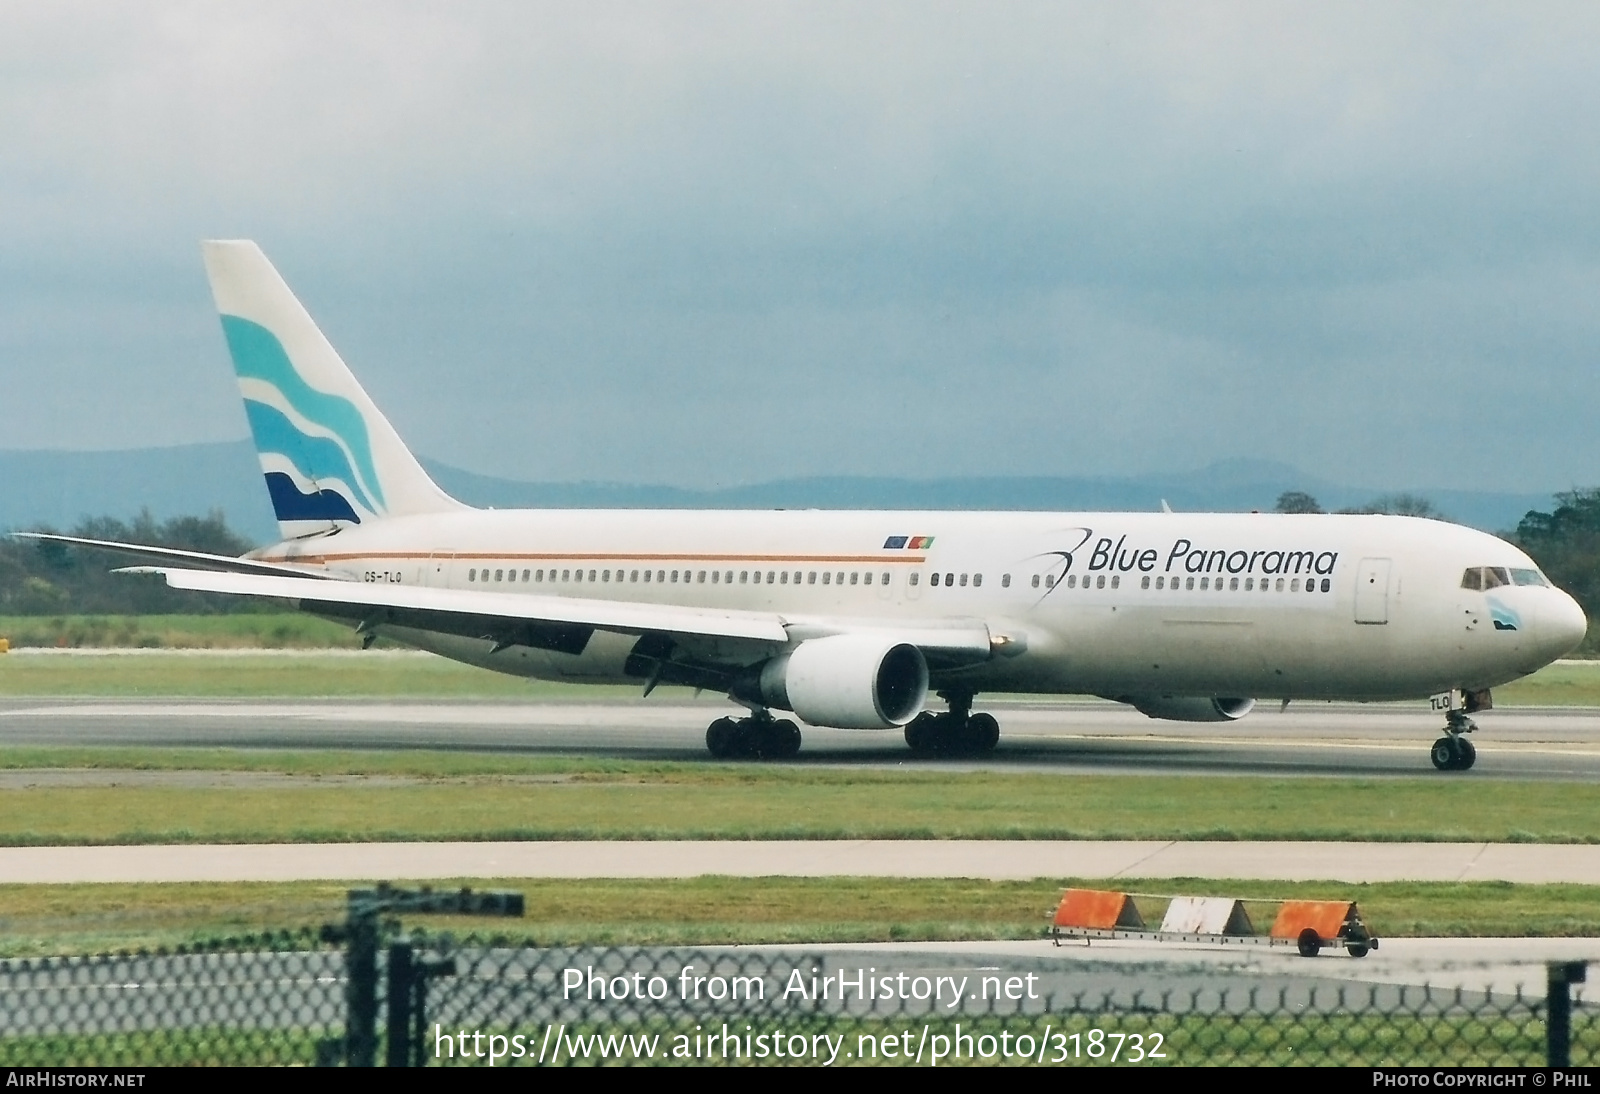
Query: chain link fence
x=435, y=999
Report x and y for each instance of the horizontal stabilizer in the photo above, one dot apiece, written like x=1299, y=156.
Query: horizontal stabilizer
x=225, y=563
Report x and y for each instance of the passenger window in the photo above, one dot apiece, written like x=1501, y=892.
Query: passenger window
x=1144, y=582
x=977, y=580
x=1161, y=582
x=1249, y=583
x=885, y=580
x=949, y=579
x=811, y=578
x=1294, y=586
x=1188, y=583
x=1116, y=581
x=674, y=577
x=1280, y=584
x=914, y=577
x=1049, y=581
x=786, y=577
x=605, y=575
x=839, y=580
x=702, y=578
x=591, y=575
x=963, y=581
x=1072, y=581
x=1100, y=582
x=771, y=577
x=855, y=579
x=1005, y=581
x=1035, y=581
x=1205, y=583
x=661, y=575
x=1326, y=584
x=827, y=579
x=1233, y=583
x=647, y=577
x=633, y=576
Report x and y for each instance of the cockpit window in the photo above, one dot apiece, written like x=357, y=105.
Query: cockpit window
x=1528, y=577
x=1492, y=577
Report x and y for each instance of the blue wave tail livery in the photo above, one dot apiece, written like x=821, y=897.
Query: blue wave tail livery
x=852, y=619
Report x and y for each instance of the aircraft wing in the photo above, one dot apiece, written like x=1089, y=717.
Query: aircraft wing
x=483, y=614
x=564, y=623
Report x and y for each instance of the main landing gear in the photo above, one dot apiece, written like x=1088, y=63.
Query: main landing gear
x=1453, y=752
x=758, y=737
x=957, y=733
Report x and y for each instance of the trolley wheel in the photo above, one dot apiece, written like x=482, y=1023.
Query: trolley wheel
x=1356, y=949
x=1309, y=943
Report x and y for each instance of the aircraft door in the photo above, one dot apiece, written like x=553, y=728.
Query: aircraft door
x=1372, y=590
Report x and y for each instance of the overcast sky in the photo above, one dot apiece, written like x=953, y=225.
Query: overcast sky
x=707, y=244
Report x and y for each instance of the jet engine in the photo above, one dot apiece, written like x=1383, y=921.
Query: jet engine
x=1189, y=708
x=848, y=681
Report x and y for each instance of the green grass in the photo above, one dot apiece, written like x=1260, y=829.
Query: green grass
x=485, y=796
x=154, y=668
x=264, y=630
x=710, y=911
x=245, y=674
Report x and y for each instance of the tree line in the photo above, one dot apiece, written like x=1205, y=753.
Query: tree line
x=48, y=579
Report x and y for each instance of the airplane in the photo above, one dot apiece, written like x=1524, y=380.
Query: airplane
x=851, y=619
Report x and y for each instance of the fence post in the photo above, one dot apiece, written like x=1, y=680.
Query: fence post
x=401, y=993
x=1558, y=1042
x=361, y=967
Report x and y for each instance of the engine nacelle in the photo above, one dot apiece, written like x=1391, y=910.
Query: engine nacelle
x=848, y=681
x=1189, y=708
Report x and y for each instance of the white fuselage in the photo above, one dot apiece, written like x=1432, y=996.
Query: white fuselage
x=1117, y=604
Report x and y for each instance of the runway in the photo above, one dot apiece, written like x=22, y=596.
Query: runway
x=999, y=860
x=1068, y=737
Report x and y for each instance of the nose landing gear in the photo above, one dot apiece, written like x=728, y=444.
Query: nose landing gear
x=758, y=737
x=958, y=733
x=1453, y=752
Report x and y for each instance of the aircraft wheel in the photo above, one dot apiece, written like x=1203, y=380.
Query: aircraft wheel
x=721, y=737
x=786, y=737
x=983, y=732
x=1467, y=754
x=1443, y=754
x=921, y=732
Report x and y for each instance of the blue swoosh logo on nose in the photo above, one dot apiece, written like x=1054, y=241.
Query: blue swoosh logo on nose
x=1503, y=617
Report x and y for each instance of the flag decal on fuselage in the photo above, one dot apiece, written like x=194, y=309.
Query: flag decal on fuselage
x=908, y=543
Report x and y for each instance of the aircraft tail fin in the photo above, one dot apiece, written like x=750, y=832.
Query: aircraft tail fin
x=330, y=457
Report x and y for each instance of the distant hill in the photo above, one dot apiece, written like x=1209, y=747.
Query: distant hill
x=61, y=488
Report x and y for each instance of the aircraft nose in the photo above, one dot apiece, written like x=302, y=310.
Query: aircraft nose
x=1562, y=626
